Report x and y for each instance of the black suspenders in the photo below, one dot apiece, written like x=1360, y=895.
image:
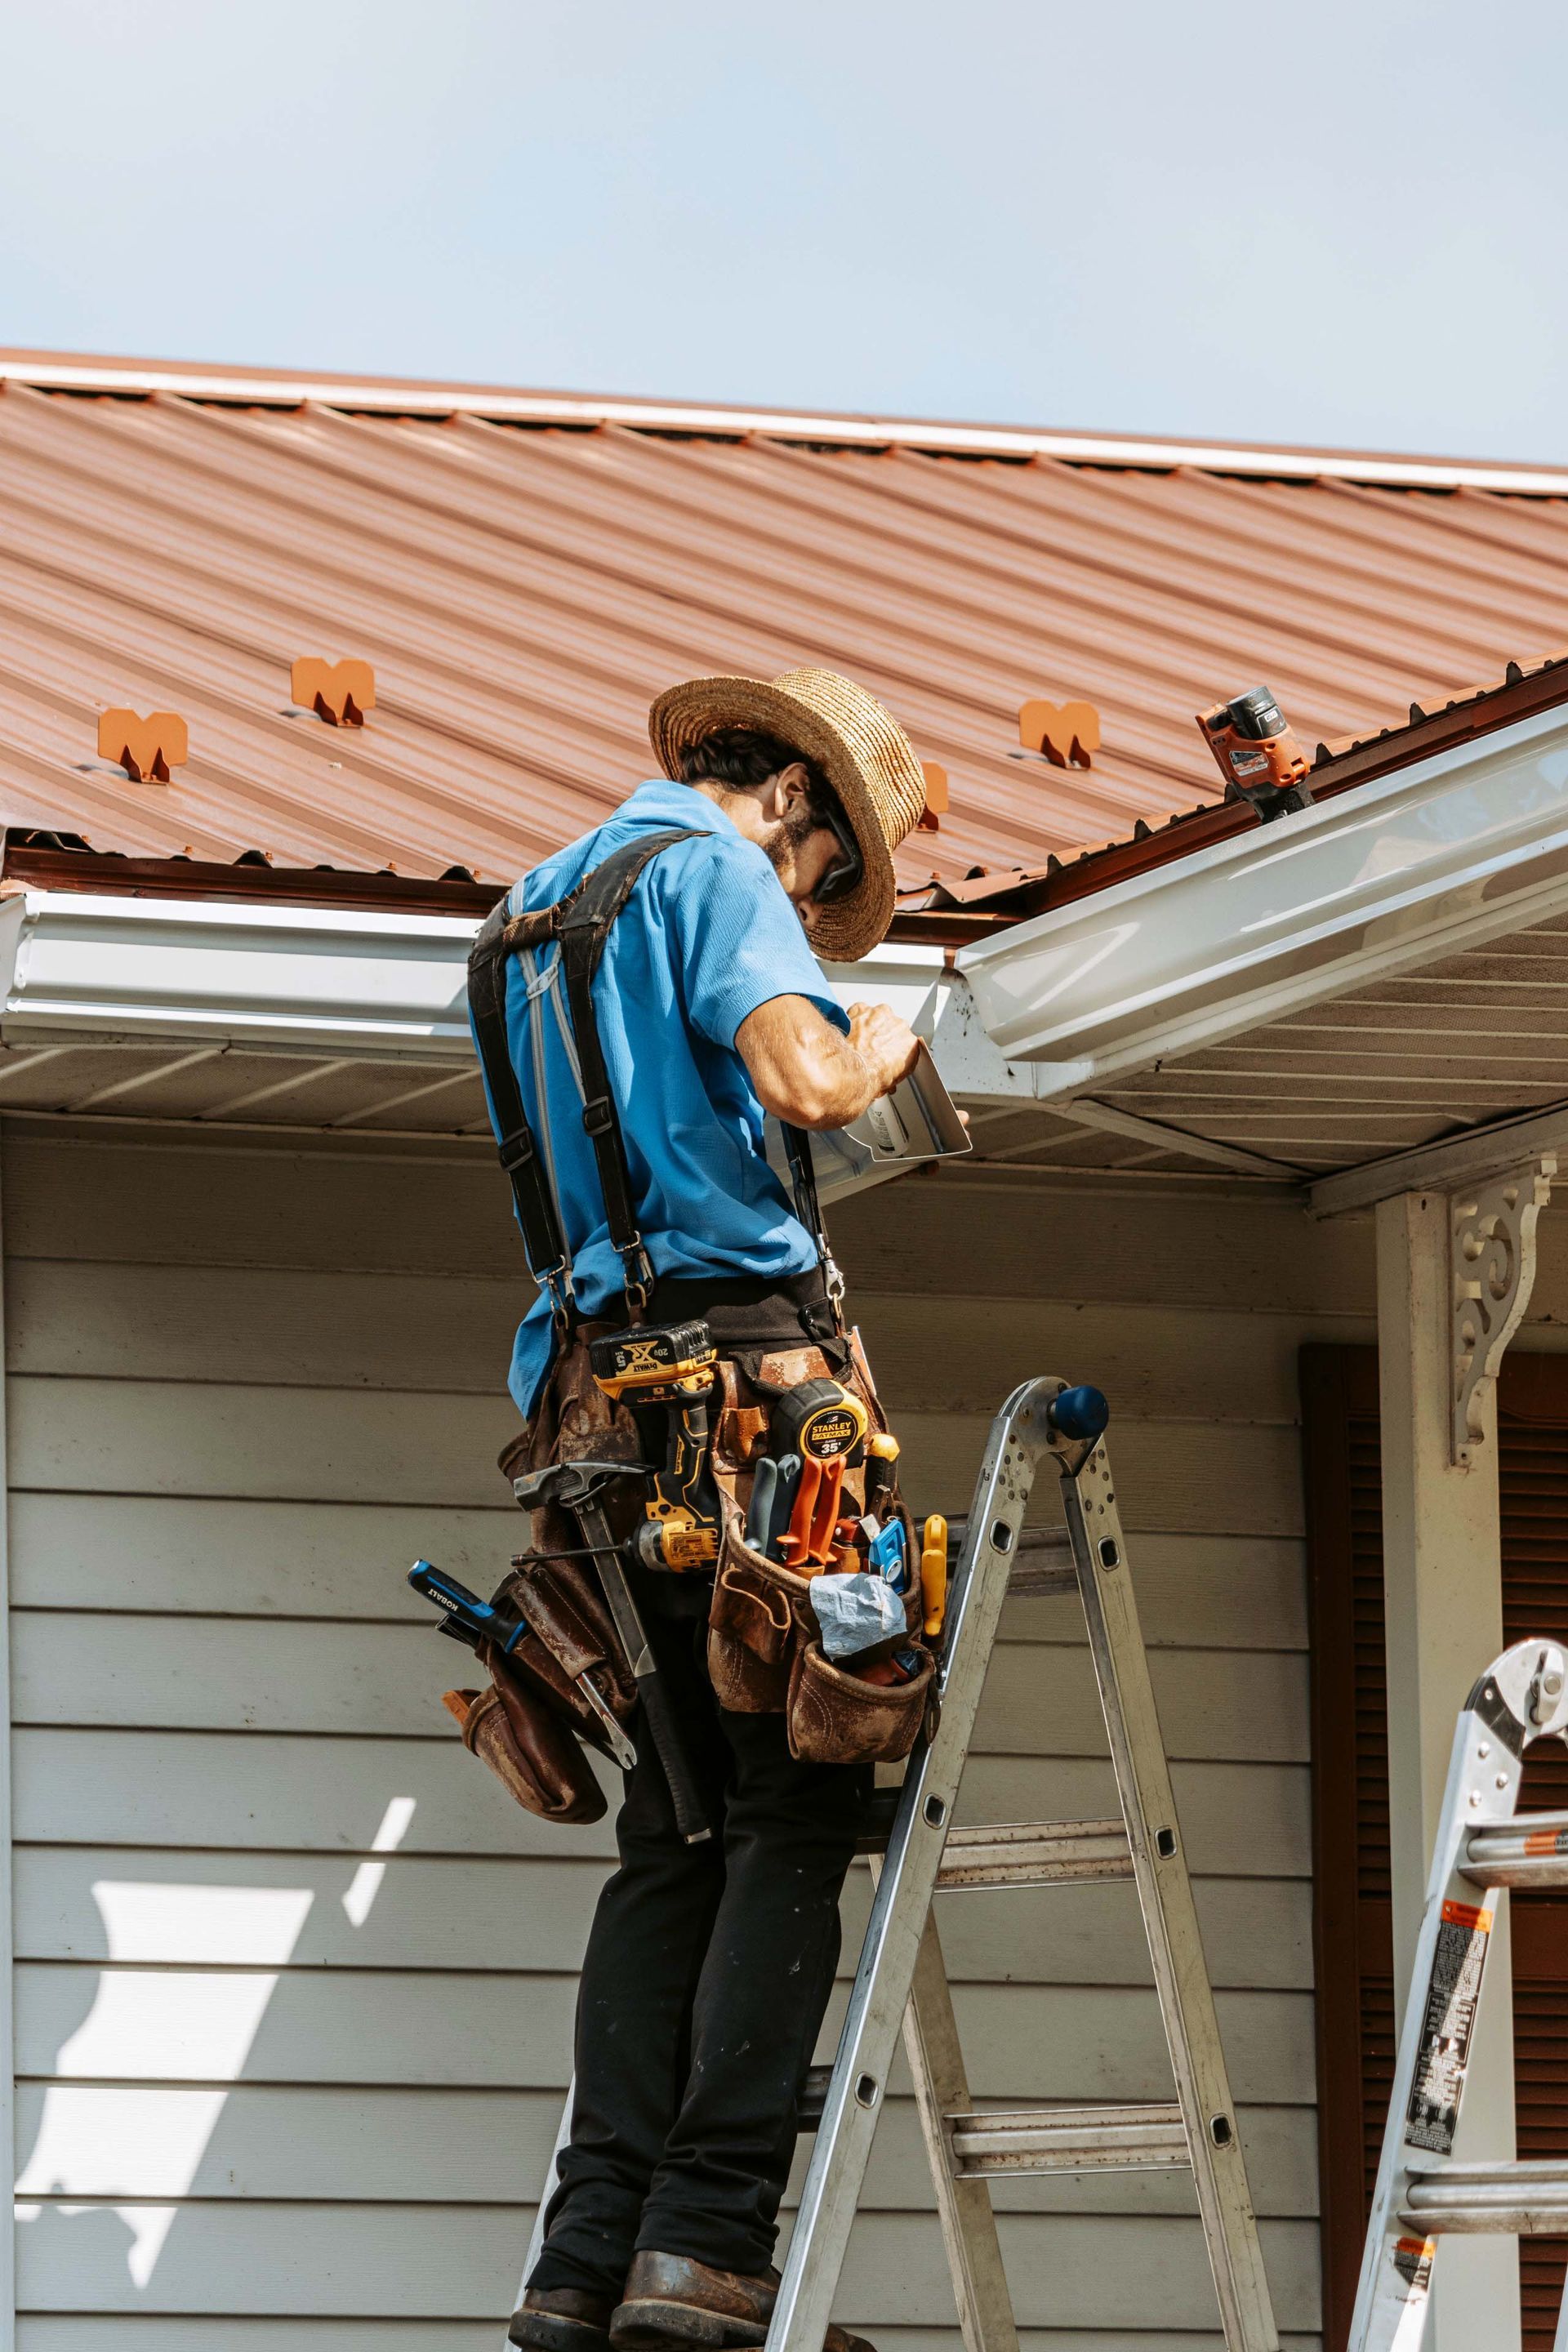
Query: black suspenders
x=581, y=923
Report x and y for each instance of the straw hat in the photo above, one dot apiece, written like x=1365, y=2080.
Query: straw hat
x=860, y=749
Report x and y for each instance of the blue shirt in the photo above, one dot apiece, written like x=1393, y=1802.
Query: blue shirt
x=707, y=935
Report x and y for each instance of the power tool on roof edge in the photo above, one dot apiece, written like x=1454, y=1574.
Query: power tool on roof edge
x=1256, y=754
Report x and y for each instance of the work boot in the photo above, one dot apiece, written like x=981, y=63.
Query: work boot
x=562, y=2319
x=671, y=2299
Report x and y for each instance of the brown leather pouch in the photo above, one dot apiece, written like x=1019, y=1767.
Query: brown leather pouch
x=569, y=1628
x=765, y=1657
x=834, y=1718
x=528, y=1748
x=570, y=1633
x=754, y=1623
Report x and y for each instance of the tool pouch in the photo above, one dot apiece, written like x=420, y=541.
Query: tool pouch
x=570, y=1629
x=834, y=1718
x=765, y=1654
x=513, y=1729
x=753, y=1625
x=570, y=1633
x=765, y=1657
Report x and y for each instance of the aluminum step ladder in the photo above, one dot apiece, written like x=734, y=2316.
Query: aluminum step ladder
x=1480, y=1847
x=902, y=1978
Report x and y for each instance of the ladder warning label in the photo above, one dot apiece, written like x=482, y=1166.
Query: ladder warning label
x=1446, y=2030
x=1412, y=2261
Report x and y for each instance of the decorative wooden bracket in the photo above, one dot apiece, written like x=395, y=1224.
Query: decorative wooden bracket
x=339, y=692
x=1493, y=1260
x=935, y=808
x=1066, y=734
x=145, y=747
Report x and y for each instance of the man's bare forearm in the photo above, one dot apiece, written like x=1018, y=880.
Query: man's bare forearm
x=807, y=1072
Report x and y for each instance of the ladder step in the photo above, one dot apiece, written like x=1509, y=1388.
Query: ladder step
x=813, y=2095
x=1035, y=1853
x=1042, y=1559
x=1068, y=2139
x=1012, y=1853
x=1522, y=2200
x=1532, y=1850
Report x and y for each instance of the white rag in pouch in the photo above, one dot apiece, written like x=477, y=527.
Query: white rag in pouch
x=856, y=1612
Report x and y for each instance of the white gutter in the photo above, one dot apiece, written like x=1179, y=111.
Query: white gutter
x=364, y=395
x=1437, y=857
x=89, y=968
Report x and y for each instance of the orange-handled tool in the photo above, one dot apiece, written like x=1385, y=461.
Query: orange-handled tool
x=933, y=1571
x=814, y=1520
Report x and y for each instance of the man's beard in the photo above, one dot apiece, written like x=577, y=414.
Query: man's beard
x=797, y=825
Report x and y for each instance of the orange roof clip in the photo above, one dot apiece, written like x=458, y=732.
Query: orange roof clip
x=935, y=808
x=145, y=747
x=1066, y=734
x=339, y=692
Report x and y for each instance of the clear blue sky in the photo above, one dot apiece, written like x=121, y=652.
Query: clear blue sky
x=1330, y=222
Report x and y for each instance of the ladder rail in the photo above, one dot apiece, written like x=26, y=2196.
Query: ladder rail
x=1019, y=1437
x=552, y=2182
x=1170, y=1917
x=1522, y=1696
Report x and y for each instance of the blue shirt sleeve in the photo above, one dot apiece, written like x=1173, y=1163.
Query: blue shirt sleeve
x=740, y=940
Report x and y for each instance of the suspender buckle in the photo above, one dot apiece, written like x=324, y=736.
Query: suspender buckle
x=598, y=1115
x=515, y=1151
x=636, y=1276
x=556, y=1282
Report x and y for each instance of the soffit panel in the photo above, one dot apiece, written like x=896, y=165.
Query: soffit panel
x=1472, y=1038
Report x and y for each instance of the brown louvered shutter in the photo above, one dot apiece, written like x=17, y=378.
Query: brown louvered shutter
x=1357, y=2020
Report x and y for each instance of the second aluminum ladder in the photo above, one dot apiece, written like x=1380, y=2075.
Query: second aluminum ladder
x=1422, y=2195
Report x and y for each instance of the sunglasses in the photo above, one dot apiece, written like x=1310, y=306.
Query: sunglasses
x=848, y=868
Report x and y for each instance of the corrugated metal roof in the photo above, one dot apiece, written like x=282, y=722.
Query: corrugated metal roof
x=524, y=590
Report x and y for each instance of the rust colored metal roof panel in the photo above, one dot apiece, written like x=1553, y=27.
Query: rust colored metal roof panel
x=521, y=589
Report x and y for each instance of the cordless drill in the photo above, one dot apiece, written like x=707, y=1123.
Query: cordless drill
x=669, y=1367
x=1258, y=757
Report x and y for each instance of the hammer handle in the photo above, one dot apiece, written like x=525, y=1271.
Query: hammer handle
x=663, y=1722
x=664, y=1725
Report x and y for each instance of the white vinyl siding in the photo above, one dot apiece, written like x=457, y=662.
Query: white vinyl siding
x=246, y=1386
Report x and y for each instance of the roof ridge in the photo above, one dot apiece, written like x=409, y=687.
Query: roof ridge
x=280, y=387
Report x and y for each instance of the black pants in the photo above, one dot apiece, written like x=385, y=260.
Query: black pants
x=708, y=1973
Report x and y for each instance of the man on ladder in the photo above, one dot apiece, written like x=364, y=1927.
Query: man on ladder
x=630, y=1117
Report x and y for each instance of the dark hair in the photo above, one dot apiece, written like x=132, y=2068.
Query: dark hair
x=741, y=758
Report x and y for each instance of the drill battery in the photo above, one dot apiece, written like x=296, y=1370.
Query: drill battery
x=653, y=1361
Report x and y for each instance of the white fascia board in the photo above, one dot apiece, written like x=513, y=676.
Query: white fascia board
x=1394, y=874
x=79, y=968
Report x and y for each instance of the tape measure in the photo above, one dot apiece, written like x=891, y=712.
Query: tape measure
x=821, y=1421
